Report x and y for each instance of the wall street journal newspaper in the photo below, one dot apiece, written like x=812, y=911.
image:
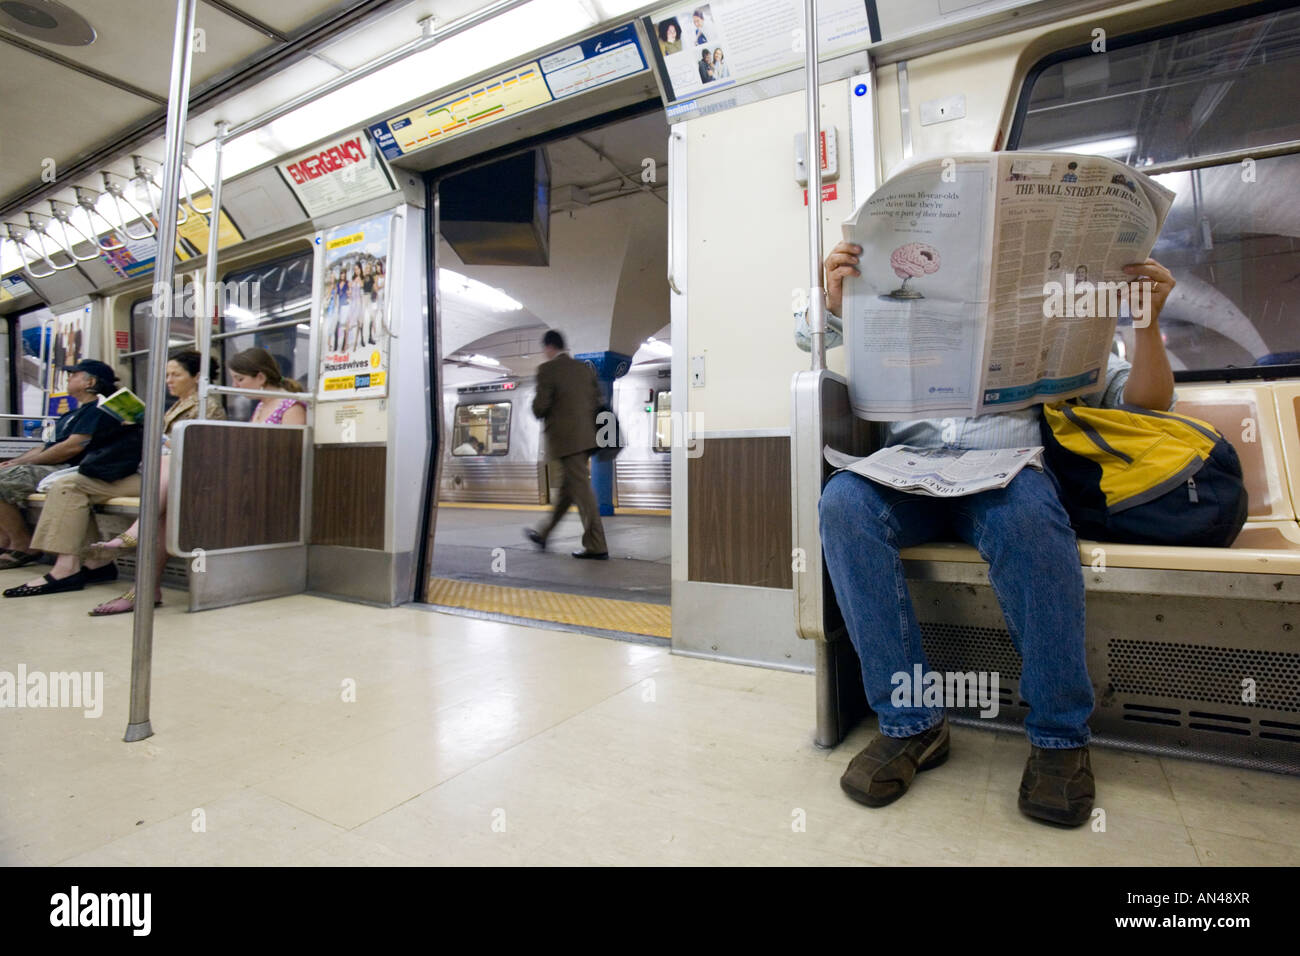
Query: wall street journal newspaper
x=952, y=314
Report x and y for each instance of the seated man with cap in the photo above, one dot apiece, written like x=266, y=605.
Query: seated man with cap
x=20, y=477
x=107, y=468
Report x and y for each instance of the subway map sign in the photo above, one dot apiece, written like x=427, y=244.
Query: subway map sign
x=565, y=72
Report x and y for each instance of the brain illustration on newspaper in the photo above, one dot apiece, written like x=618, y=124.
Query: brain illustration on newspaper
x=910, y=261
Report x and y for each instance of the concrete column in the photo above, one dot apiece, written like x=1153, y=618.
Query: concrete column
x=608, y=366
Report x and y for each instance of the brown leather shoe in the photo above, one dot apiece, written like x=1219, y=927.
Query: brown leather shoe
x=1058, y=786
x=882, y=772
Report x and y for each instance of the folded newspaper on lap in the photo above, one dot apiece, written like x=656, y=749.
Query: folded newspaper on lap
x=941, y=472
x=991, y=281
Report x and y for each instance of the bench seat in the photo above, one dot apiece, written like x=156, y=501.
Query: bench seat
x=112, y=506
x=1263, y=547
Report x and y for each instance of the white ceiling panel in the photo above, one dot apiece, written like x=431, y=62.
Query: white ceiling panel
x=134, y=42
x=390, y=30
x=49, y=111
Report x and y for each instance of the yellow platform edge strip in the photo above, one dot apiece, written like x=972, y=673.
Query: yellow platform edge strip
x=633, y=617
x=493, y=506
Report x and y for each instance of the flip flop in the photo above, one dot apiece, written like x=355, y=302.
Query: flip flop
x=18, y=559
x=53, y=585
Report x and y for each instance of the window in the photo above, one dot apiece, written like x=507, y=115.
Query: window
x=269, y=307
x=663, y=421
x=49, y=343
x=34, y=330
x=481, y=430
x=180, y=335
x=1186, y=98
x=8, y=360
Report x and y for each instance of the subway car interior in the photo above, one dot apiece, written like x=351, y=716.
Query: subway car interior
x=378, y=637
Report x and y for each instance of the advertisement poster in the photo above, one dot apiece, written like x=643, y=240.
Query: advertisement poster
x=354, y=329
x=136, y=256
x=195, y=230
x=11, y=287
x=705, y=47
x=70, y=335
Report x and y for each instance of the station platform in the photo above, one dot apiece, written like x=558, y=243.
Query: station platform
x=482, y=563
x=482, y=743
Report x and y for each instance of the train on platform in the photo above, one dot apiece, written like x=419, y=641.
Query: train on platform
x=494, y=451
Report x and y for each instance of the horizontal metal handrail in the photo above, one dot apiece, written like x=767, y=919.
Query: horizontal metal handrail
x=29, y=418
x=1227, y=158
x=303, y=319
x=179, y=344
x=307, y=398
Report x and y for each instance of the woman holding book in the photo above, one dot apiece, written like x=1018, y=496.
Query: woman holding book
x=183, y=383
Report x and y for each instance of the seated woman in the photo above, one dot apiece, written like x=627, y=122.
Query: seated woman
x=255, y=368
x=252, y=368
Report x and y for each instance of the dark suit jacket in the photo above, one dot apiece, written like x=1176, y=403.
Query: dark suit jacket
x=568, y=396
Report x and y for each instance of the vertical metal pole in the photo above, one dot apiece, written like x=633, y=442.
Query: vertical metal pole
x=212, y=301
x=146, y=568
x=816, y=292
x=47, y=357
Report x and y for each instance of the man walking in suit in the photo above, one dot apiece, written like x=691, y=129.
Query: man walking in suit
x=568, y=397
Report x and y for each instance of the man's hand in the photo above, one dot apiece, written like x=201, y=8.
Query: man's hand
x=1150, y=382
x=840, y=264
x=1161, y=283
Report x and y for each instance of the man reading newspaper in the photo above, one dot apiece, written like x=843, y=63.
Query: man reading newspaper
x=1022, y=531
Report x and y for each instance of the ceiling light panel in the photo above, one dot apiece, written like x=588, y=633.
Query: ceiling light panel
x=508, y=36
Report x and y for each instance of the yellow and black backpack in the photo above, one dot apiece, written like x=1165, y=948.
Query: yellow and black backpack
x=1137, y=476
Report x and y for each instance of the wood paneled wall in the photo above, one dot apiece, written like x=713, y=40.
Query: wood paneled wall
x=240, y=486
x=738, y=528
x=347, y=498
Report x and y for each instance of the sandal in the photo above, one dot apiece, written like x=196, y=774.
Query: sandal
x=18, y=559
x=119, y=605
x=53, y=585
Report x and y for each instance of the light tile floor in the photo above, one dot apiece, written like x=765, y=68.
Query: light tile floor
x=474, y=742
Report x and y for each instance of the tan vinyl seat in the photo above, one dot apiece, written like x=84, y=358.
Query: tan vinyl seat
x=1286, y=401
x=1242, y=413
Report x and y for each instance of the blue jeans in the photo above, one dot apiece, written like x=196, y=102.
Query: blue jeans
x=1023, y=533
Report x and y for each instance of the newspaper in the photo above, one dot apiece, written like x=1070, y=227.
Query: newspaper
x=976, y=274
x=941, y=472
